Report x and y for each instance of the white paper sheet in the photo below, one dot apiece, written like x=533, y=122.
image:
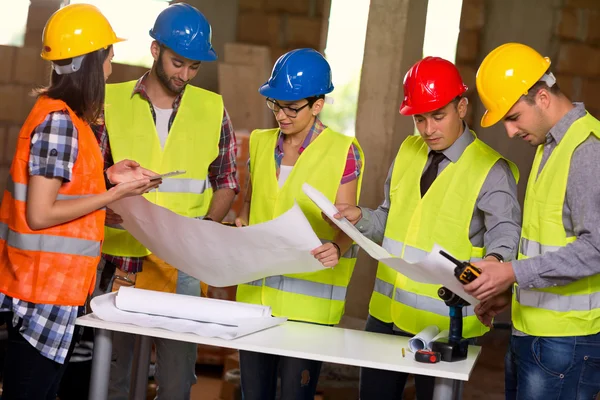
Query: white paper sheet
x=434, y=269
x=222, y=255
x=104, y=308
x=194, y=308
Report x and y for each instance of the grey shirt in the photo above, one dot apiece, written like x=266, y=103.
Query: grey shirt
x=581, y=216
x=496, y=220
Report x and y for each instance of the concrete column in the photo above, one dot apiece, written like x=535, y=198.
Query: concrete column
x=529, y=22
x=394, y=42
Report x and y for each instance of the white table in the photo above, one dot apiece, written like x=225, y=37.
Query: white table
x=293, y=339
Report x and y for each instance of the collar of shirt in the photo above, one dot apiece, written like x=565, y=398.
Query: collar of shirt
x=316, y=129
x=140, y=88
x=454, y=152
x=559, y=130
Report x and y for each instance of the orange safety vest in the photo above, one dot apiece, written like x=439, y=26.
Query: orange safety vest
x=56, y=265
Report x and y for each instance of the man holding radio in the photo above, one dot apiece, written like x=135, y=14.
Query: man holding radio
x=168, y=125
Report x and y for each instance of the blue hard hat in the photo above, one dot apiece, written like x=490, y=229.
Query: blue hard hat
x=298, y=74
x=183, y=29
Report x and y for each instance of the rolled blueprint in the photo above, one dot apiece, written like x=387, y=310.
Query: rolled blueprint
x=422, y=339
x=443, y=334
x=188, y=307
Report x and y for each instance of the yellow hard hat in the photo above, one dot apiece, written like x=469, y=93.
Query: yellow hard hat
x=506, y=74
x=75, y=30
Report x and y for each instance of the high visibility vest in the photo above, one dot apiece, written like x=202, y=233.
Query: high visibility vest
x=55, y=265
x=573, y=309
x=192, y=145
x=317, y=297
x=414, y=224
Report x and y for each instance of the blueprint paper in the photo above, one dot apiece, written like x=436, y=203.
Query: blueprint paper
x=221, y=255
x=182, y=306
x=433, y=269
x=104, y=307
x=421, y=341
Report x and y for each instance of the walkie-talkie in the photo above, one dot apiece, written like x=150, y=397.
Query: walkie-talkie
x=465, y=272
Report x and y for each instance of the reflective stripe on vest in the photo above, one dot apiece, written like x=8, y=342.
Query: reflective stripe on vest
x=49, y=243
x=530, y=248
x=18, y=191
x=301, y=286
x=557, y=302
x=194, y=186
x=411, y=254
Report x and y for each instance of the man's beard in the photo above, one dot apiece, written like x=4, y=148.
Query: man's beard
x=164, y=79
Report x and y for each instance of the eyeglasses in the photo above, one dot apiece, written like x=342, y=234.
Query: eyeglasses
x=289, y=111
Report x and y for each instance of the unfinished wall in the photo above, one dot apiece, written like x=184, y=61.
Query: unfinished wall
x=22, y=70
x=283, y=25
x=577, y=60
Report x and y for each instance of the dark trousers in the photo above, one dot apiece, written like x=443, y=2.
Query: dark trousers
x=259, y=372
x=377, y=384
x=28, y=375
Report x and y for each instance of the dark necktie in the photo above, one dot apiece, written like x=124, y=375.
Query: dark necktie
x=431, y=172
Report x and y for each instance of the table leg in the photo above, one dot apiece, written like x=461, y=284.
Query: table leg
x=140, y=367
x=447, y=389
x=101, y=365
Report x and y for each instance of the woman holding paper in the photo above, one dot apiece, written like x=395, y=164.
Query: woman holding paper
x=302, y=150
x=52, y=213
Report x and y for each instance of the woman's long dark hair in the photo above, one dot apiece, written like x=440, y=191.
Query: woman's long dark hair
x=83, y=91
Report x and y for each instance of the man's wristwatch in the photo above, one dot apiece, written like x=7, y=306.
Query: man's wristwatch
x=496, y=256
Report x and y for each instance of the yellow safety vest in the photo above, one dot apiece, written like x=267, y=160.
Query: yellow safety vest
x=192, y=145
x=317, y=297
x=573, y=309
x=415, y=224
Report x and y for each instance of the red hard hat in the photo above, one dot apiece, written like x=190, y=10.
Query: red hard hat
x=430, y=84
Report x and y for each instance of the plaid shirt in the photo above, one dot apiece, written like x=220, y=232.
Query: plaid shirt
x=353, y=161
x=221, y=172
x=47, y=327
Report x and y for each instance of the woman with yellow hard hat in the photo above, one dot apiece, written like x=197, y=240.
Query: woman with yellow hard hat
x=52, y=212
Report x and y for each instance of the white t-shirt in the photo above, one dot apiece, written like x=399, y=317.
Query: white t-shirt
x=162, y=123
x=284, y=172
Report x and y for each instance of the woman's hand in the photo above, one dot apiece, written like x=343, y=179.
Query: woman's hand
x=127, y=171
x=240, y=222
x=133, y=188
x=328, y=254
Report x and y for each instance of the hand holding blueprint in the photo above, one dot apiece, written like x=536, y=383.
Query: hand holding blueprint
x=434, y=268
x=222, y=255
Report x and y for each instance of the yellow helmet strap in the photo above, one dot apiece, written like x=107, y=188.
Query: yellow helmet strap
x=74, y=66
